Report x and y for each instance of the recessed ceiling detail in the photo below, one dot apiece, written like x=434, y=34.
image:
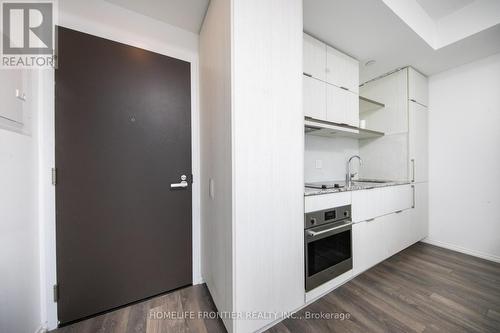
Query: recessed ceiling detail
x=437, y=9
x=441, y=23
x=369, y=29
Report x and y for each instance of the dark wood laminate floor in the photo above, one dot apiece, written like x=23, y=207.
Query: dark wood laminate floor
x=421, y=289
x=148, y=316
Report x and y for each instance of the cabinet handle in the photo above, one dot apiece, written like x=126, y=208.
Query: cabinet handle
x=413, y=203
x=307, y=74
x=370, y=220
x=344, y=88
x=398, y=211
x=412, y=170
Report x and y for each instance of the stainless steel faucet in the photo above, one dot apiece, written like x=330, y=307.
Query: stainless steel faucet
x=349, y=175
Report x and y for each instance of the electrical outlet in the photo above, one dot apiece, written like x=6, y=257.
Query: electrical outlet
x=319, y=164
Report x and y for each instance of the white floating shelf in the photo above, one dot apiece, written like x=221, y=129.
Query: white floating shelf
x=366, y=104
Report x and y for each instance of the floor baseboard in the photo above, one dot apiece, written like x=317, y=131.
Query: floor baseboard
x=460, y=249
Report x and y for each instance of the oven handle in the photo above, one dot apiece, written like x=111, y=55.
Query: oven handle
x=317, y=233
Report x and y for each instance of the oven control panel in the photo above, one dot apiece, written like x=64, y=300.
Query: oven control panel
x=320, y=217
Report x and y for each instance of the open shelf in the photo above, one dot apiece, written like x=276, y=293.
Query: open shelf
x=366, y=104
x=325, y=128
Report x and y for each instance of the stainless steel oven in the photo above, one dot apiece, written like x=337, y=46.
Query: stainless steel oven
x=328, y=245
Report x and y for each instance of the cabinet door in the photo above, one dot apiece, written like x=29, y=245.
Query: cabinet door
x=314, y=58
x=314, y=98
x=399, y=231
x=365, y=244
x=352, y=111
x=418, y=87
x=369, y=204
x=370, y=243
x=342, y=106
x=342, y=70
x=419, y=142
x=420, y=213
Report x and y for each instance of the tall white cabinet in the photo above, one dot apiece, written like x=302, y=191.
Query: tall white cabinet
x=402, y=154
x=252, y=236
x=331, y=80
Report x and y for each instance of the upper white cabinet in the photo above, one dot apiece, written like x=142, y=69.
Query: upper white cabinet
x=342, y=106
x=314, y=98
x=342, y=70
x=314, y=58
x=418, y=90
x=419, y=142
x=331, y=81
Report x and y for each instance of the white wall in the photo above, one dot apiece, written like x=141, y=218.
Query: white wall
x=109, y=21
x=333, y=154
x=216, y=156
x=19, y=258
x=464, y=133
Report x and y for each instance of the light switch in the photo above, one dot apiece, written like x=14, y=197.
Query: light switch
x=211, y=189
x=319, y=164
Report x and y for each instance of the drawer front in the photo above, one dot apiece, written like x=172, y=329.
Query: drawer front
x=325, y=201
x=369, y=204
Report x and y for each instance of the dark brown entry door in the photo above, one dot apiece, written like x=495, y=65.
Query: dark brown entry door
x=123, y=136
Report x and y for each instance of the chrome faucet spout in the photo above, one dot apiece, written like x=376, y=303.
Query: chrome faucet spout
x=349, y=175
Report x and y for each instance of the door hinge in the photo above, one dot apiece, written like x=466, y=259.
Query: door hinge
x=56, y=293
x=54, y=176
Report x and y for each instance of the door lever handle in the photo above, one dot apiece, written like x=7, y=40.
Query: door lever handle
x=182, y=184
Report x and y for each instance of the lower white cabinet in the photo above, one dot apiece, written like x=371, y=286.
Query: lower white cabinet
x=375, y=202
x=368, y=243
x=377, y=239
x=420, y=214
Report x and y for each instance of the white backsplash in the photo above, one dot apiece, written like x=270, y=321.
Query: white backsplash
x=333, y=154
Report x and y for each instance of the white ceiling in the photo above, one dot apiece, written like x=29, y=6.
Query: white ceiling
x=185, y=14
x=369, y=29
x=438, y=9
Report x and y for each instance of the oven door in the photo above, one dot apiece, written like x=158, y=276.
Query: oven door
x=328, y=252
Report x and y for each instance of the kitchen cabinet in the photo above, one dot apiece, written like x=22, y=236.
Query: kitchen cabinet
x=368, y=243
x=314, y=92
x=372, y=203
x=331, y=81
x=377, y=239
x=399, y=231
x=418, y=142
x=342, y=106
x=418, y=90
x=420, y=214
x=342, y=70
x=314, y=53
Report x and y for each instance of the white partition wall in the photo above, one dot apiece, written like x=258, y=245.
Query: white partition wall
x=268, y=158
x=252, y=158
